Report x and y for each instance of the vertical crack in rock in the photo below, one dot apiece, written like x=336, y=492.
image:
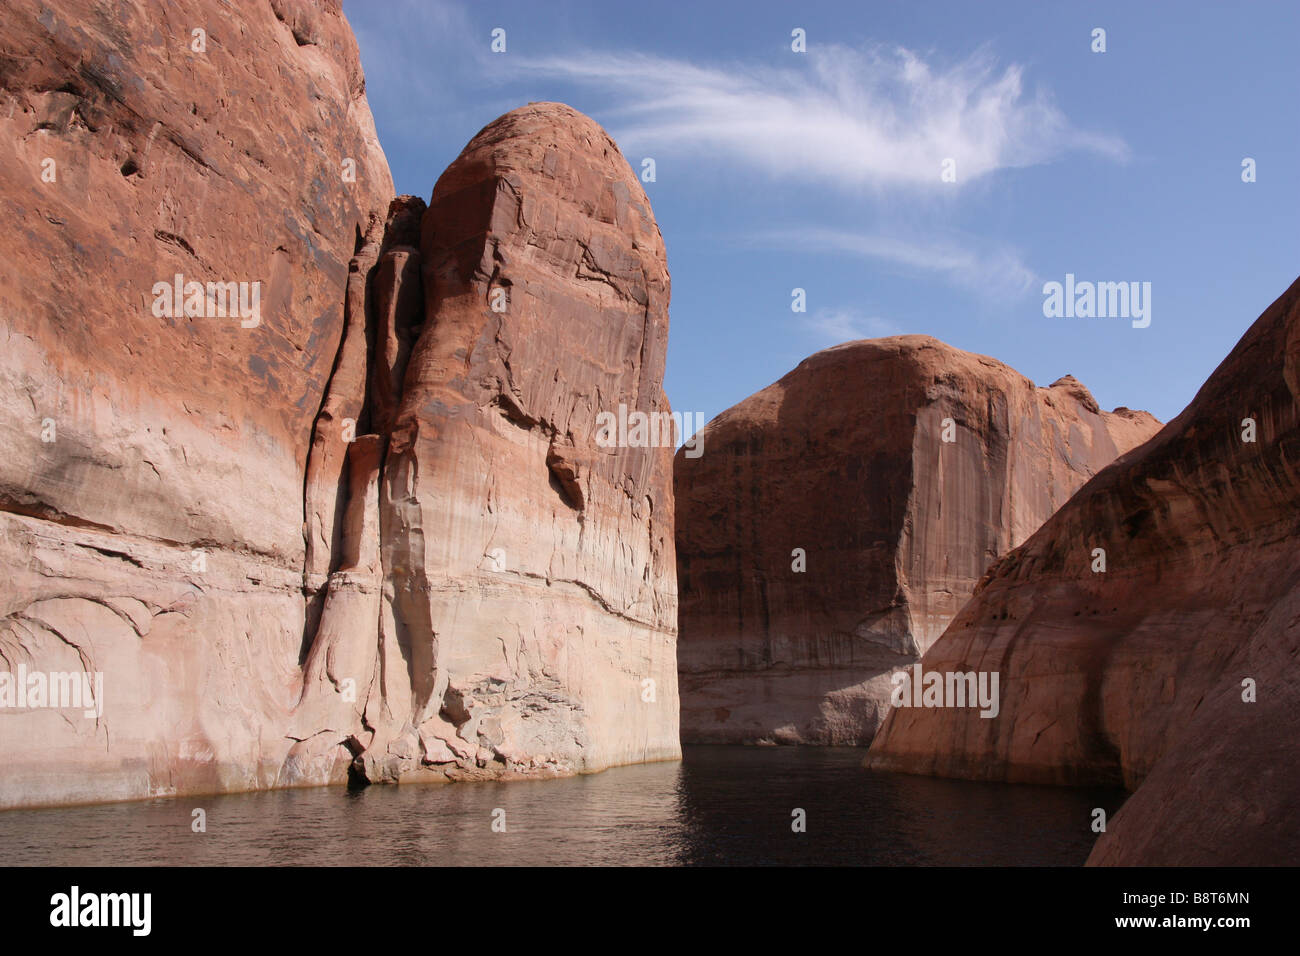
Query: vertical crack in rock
x=382, y=314
x=339, y=420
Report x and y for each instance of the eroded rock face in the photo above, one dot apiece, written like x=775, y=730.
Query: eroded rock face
x=151, y=486
x=842, y=468
x=521, y=620
x=289, y=559
x=1135, y=675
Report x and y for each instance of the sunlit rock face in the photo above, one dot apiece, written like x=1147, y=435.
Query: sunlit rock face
x=155, y=446
x=830, y=526
x=523, y=607
x=1171, y=671
x=227, y=508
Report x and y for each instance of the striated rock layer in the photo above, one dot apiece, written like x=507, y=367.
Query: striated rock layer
x=1143, y=675
x=151, y=486
x=518, y=614
x=845, y=458
x=274, y=557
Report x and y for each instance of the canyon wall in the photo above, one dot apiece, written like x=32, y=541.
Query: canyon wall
x=1170, y=672
x=288, y=559
x=151, y=486
x=900, y=468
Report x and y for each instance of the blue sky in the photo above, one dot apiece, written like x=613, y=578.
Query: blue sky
x=821, y=170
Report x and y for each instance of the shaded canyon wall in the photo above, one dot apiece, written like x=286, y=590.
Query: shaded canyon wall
x=1171, y=672
x=845, y=458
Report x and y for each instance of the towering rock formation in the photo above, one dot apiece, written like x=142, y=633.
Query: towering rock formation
x=837, y=520
x=151, y=486
x=236, y=509
x=519, y=614
x=1173, y=671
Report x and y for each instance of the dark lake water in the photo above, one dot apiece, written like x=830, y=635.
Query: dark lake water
x=719, y=805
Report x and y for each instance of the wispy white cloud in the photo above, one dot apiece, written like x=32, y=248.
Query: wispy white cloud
x=874, y=117
x=832, y=326
x=856, y=120
x=988, y=269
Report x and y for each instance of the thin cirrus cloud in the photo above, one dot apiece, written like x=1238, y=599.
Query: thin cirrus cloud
x=873, y=120
x=874, y=117
x=992, y=271
x=832, y=326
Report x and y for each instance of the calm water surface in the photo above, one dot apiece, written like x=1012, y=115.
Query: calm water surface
x=720, y=805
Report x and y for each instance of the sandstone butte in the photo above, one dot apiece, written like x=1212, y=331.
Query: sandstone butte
x=370, y=534
x=845, y=459
x=1173, y=672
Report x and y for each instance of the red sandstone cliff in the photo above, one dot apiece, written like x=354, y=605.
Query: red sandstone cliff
x=516, y=614
x=846, y=459
x=286, y=556
x=1137, y=675
x=151, y=486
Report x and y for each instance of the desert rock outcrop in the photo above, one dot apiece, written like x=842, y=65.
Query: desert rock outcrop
x=833, y=523
x=1171, y=671
x=521, y=617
